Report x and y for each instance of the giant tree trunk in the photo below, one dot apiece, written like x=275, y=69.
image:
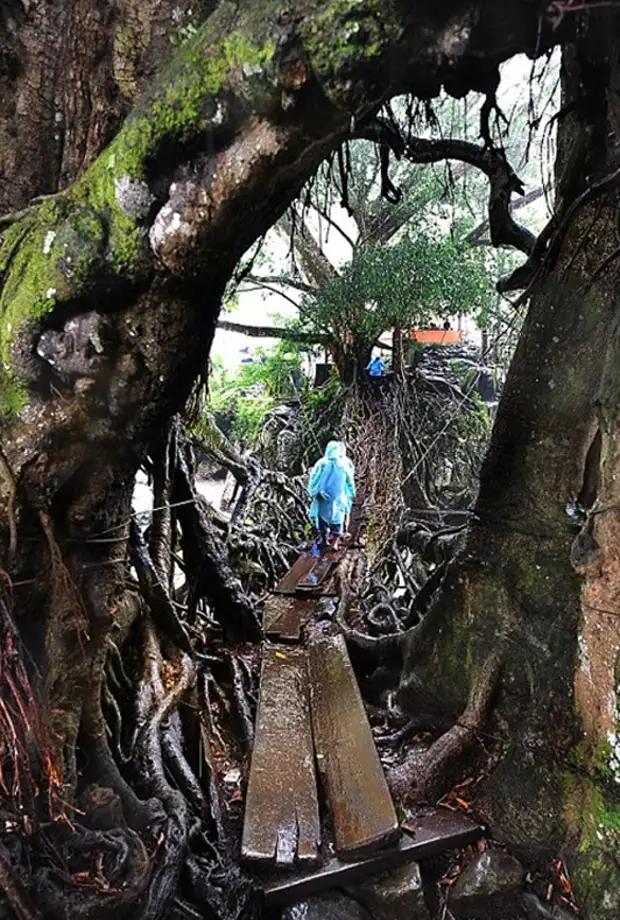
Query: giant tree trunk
x=525, y=599
x=109, y=292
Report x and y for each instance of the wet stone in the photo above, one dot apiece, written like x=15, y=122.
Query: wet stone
x=488, y=883
x=536, y=910
x=394, y=895
x=331, y=906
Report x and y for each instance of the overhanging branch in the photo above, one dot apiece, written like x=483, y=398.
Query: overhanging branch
x=314, y=263
x=477, y=237
x=285, y=280
x=275, y=332
x=504, y=230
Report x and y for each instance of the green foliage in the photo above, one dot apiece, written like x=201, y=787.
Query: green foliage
x=254, y=389
x=422, y=276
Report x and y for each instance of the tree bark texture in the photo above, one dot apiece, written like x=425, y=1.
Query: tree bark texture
x=525, y=585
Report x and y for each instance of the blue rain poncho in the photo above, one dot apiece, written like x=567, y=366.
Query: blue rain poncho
x=376, y=367
x=331, y=486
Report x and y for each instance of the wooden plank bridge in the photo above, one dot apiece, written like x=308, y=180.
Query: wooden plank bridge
x=318, y=809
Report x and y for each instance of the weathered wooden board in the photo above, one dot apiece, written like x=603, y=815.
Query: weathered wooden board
x=317, y=575
x=288, y=584
x=282, y=811
x=363, y=814
x=435, y=830
x=284, y=617
x=327, y=588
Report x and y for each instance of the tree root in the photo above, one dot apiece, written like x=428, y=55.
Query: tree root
x=11, y=513
x=206, y=558
x=242, y=704
x=90, y=873
x=156, y=593
x=160, y=538
x=373, y=650
x=418, y=781
x=424, y=596
x=104, y=769
x=215, y=443
x=116, y=669
x=383, y=618
x=183, y=910
x=242, y=506
x=412, y=727
x=173, y=841
x=224, y=889
x=15, y=892
x=176, y=762
x=114, y=722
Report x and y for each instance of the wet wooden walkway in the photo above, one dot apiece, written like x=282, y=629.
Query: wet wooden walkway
x=282, y=810
x=360, y=804
x=318, y=808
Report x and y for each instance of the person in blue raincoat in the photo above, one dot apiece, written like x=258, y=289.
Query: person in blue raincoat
x=332, y=490
x=376, y=367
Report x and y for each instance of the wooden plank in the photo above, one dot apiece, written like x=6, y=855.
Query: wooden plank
x=281, y=820
x=363, y=814
x=327, y=588
x=284, y=616
x=317, y=574
x=435, y=830
x=295, y=618
x=288, y=584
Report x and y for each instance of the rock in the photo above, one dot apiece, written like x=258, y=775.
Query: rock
x=536, y=910
x=330, y=906
x=487, y=885
x=394, y=895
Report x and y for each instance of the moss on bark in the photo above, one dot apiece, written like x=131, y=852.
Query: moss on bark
x=593, y=815
x=95, y=233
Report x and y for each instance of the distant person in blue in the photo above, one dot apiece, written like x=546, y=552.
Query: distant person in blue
x=332, y=490
x=376, y=367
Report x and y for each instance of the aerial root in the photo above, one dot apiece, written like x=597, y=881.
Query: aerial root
x=418, y=780
x=162, y=522
x=156, y=593
x=206, y=557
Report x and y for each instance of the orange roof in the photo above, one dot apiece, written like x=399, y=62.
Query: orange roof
x=437, y=336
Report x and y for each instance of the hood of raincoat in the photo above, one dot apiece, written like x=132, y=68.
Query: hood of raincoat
x=335, y=450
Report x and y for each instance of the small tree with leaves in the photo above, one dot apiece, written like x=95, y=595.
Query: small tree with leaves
x=423, y=275
x=360, y=265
